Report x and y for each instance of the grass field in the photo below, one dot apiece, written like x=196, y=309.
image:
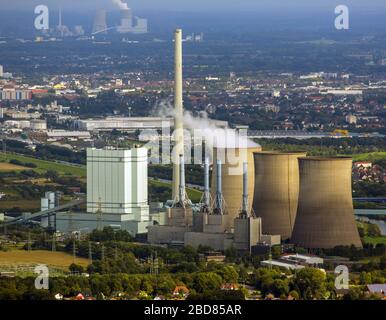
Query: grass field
x=43, y=166
x=27, y=205
x=5, y=167
x=371, y=156
x=59, y=260
x=374, y=240
x=193, y=194
x=79, y=171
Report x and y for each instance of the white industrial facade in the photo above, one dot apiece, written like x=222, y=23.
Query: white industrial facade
x=117, y=182
x=117, y=194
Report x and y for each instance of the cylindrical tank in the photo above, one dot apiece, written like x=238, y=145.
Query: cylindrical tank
x=277, y=191
x=232, y=160
x=325, y=215
x=44, y=204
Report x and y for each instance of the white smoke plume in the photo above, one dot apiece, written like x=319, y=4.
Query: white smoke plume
x=120, y=4
x=201, y=127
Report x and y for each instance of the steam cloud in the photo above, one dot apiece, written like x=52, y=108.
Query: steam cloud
x=214, y=135
x=121, y=5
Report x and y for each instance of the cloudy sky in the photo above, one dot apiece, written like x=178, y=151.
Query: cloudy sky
x=200, y=5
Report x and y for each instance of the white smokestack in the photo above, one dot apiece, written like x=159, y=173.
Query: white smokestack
x=219, y=202
x=245, y=188
x=178, y=111
x=121, y=5
x=182, y=195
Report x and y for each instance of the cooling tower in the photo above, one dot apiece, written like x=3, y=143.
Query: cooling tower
x=100, y=25
x=276, y=191
x=325, y=215
x=232, y=178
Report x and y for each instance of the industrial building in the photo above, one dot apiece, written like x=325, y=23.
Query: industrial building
x=132, y=24
x=232, y=177
x=325, y=214
x=277, y=191
x=294, y=262
x=124, y=124
x=117, y=194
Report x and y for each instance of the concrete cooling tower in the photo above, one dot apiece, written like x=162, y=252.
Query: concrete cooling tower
x=277, y=191
x=100, y=25
x=325, y=215
x=232, y=160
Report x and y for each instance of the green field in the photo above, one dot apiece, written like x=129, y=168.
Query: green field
x=14, y=258
x=80, y=171
x=374, y=240
x=371, y=156
x=44, y=166
x=193, y=194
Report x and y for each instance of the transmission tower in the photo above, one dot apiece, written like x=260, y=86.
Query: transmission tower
x=73, y=250
x=156, y=265
x=89, y=251
x=29, y=242
x=99, y=215
x=103, y=252
x=53, y=242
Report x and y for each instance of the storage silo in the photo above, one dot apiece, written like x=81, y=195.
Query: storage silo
x=277, y=191
x=325, y=215
x=232, y=160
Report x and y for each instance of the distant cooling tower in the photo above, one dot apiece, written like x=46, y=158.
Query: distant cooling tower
x=325, y=215
x=232, y=178
x=277, y=191
x=100, y=25
x=126, y=21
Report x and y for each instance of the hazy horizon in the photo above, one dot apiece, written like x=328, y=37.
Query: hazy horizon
x=200, y=5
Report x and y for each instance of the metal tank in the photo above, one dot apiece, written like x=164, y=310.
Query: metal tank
x=277, y=191
x=325, y=215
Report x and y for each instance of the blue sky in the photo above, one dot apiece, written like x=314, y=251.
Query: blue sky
x=202, y=5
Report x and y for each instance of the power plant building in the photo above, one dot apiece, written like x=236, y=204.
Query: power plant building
x=232, y=178
x=117, y=195
x=325, y=215
x=277, y=191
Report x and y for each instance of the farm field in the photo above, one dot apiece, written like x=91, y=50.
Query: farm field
x=193, y=194
x=371, y=156
x=33, y=205
x=59, y=260
x=44, y=166
x=5, y=167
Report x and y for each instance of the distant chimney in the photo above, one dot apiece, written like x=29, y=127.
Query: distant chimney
x=219, y=199
x=182, y=195
x=206, y=184
x=245, y=190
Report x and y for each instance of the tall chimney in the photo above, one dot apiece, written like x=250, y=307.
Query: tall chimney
x=182, y=196
x=245, y=189
x=206, y=184
x=178, y=111
x=219, y=203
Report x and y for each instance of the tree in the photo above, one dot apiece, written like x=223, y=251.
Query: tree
x=311, y=283
x=206, y=281
x=382, y=262
x=229, y=274
x=76, y=268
